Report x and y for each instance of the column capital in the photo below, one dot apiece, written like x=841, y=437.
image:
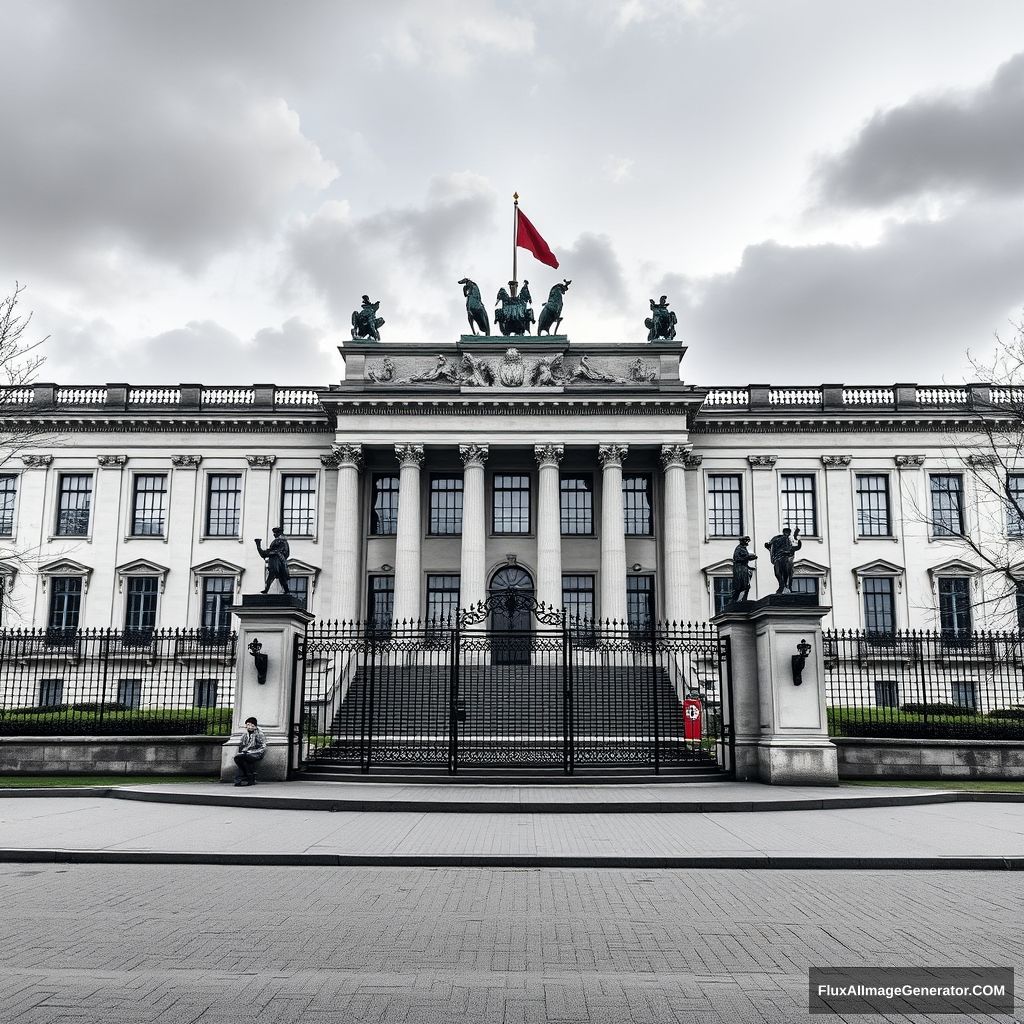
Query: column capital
x=762, y=461
x=186, y=461
x=409, y=454
x=473, y=454
x=675, y=454
x=548, y=454
x=261, y=461
x=836, y=461
x=343, y=455
x=909, y=461
x=611, y=454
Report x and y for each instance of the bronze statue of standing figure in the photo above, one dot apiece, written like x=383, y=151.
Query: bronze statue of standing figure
x=662, y=321
x=741, y=570
x=781, y=549
x=475, y=312
x=277, y=559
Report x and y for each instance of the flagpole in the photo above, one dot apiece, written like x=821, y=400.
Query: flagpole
x=515, y=239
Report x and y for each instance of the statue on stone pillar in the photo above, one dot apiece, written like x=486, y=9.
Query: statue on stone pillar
x=277, y=559
x=781, y=548
x=741, y=570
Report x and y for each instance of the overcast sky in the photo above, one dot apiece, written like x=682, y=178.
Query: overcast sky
x=826, y=190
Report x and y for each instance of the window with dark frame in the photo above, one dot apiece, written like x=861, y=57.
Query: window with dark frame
x=149, y=505
x=140, y=605
x=947, y=505
x=442, y=597
x=725, y=505
x=511, y=497
x=223, y=504
x=637, y=507
x=808, y=585
x=879, y=605
x=446, y=505
x=298, y=504
x=576, y=504
x=873, y=516
x=204, y=693
x=1020, y=608
x=964, y=693
x=51, y=693
x=384, y=509
x=886, y=693
x=721, y=593
x=65, y=604
x=380, y=602
x=954, y=606
x=73, y=504
x=578, y=596
x=639, y=601
x=129, y=693
x=8, y=494
x=218, y=596
x=799, y=508
x=1015, y=505
x=299, y=588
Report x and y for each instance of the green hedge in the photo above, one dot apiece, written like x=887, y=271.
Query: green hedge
x=886, y=723
x=152, y=721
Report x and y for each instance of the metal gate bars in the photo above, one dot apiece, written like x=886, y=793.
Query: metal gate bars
x=542, y=691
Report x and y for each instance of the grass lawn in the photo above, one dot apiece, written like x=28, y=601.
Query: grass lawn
x=973, y=785
x=60, y=781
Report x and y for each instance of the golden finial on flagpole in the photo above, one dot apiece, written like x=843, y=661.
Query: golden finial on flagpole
x=514, y=284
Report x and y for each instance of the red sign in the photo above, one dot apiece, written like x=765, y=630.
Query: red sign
x=691, y=718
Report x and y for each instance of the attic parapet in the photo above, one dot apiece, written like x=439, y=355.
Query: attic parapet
x=874, y=398
x=167, y=398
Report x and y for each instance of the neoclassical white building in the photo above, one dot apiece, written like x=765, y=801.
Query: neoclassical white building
x=589, y=474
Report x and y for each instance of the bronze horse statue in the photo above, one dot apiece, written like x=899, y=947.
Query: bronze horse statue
x=551, y=313
x=475, y=312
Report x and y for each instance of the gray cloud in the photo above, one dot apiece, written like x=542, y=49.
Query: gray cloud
x=595, y=271
x=907, y=308
x=972, y=142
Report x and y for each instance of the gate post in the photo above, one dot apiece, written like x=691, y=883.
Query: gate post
x=780, y=723
x=273, y=621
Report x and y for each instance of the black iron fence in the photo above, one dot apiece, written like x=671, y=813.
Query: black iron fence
x=925, y=684
x=116, y=682
x=551, y=693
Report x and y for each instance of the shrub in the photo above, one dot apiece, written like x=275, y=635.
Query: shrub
x=1017, y=713
x=938, y=708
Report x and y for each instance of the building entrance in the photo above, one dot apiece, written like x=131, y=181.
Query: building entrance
x=511, y=600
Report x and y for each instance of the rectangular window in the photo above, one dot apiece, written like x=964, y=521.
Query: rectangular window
x=299, y=587
x=886, y=693
x=65, y=604
x=8, y=492
x=73, y=504
x=224, y=505
x=947, y=505
x=638, y=511
x=442, y=598
x=965, y=693
x=873, y=518
x=805, y=585
x=129, y=693
x=954, y=606
x=51, y=693
x=298, y=504
x=446, y=505
x=639, y=601
x=218, y=596
x=511, y=503
x=725, y=505
x=149, y=505
x=879, y=604
x=798, y=503
x=380, y=602
x=721, y=592
x=1020, y=608
x=1015, y=505
x=140, y=606
x=578, y=597
x=204, y=693
x=576, y=504
x=384, y=513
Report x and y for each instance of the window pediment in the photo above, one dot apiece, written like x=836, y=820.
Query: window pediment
x=812, y=570
x=954, y=567
x=141, y=567
x=217, y=567
x=717, y=570
x=65, y=567
x=296, y=567
x=8, y=570
x=879, y=567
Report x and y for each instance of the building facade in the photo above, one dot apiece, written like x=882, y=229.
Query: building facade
x=592, y=476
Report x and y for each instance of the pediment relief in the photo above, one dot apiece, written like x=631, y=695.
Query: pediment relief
x=296, y=567
x=954, y=567
x=141, y=567
x=879, y=567
x=65, y=567
x=217, y=567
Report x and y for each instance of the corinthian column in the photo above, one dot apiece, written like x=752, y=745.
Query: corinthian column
x=673, y=460
x=409, y=533
x=472, y=585
x=613, y=529
x=549, y=525
x=347, y=530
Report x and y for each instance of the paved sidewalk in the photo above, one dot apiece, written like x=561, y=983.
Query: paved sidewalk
x=978, y=835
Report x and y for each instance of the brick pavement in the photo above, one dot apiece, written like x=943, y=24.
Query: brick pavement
x=156, y=944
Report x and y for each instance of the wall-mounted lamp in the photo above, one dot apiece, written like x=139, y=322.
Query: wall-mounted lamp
x=636, y=567
x=799, y=660
x=386, y=568
x=261, y=660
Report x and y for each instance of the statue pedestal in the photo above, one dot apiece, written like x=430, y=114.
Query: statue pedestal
x=275, y=620
x=780, y=727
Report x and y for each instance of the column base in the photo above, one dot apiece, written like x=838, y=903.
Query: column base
x=785, y=763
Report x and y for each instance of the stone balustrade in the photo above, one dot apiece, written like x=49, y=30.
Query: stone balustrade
x=187, y=397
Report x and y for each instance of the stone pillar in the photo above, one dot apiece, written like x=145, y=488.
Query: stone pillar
x=549, y=525
x=409, y=534
x=348, y=532
x=673, y=460
x=473, y=566
x=780, y=727
x=613, y=539
x=275, y=622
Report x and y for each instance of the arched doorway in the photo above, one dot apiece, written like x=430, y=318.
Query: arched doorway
x=511, y=600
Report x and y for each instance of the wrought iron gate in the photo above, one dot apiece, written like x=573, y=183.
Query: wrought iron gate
x=545, y=692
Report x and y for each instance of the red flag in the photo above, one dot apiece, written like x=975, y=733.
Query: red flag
x=527, y=237
x=691, y=718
